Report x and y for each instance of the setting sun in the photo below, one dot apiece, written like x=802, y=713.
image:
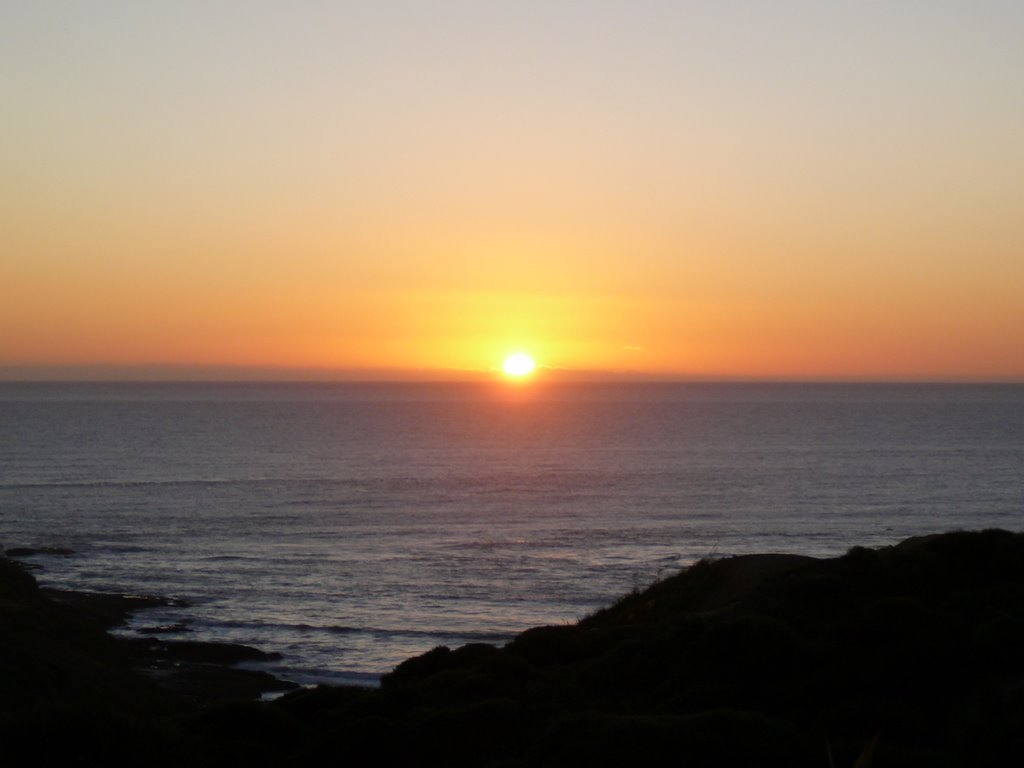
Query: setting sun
x=518, y=365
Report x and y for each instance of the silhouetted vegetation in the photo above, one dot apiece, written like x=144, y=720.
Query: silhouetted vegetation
x=908, y=656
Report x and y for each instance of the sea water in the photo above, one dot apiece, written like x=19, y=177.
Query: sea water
x=350, y=526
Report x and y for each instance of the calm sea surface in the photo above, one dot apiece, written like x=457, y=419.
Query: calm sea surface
x=350, y=526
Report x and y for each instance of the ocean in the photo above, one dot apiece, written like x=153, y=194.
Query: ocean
x=349, y=526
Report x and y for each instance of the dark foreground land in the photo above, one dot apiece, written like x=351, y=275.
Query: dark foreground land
x=910, y=655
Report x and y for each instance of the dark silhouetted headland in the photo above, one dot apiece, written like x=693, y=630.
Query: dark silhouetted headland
x=904, y=656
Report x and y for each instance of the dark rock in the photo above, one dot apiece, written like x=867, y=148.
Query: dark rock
x=194, y=651
x=165, y=629
x=205, y=683
x=67, y=695
x=108, y=608
x=203, y=671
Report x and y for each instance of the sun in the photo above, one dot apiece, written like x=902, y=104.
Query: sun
x=518, y=365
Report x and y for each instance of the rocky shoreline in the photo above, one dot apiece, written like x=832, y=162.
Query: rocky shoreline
x=903, y=656
x=200, y=671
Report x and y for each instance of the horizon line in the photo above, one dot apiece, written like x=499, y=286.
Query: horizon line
x=169, y=373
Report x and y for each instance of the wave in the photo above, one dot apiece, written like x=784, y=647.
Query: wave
x=240, y=481
x=376, y=632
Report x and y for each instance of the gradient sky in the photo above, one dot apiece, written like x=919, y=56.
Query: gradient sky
x=785, y=189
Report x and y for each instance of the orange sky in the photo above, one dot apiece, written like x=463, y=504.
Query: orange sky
x=663, y=189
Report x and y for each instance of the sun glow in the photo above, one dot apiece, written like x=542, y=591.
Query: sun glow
x=518, y=365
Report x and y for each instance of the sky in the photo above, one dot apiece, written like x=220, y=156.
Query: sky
x=417, y=189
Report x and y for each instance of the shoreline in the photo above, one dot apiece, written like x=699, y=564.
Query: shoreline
x=202, y=671
x=906, y=655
